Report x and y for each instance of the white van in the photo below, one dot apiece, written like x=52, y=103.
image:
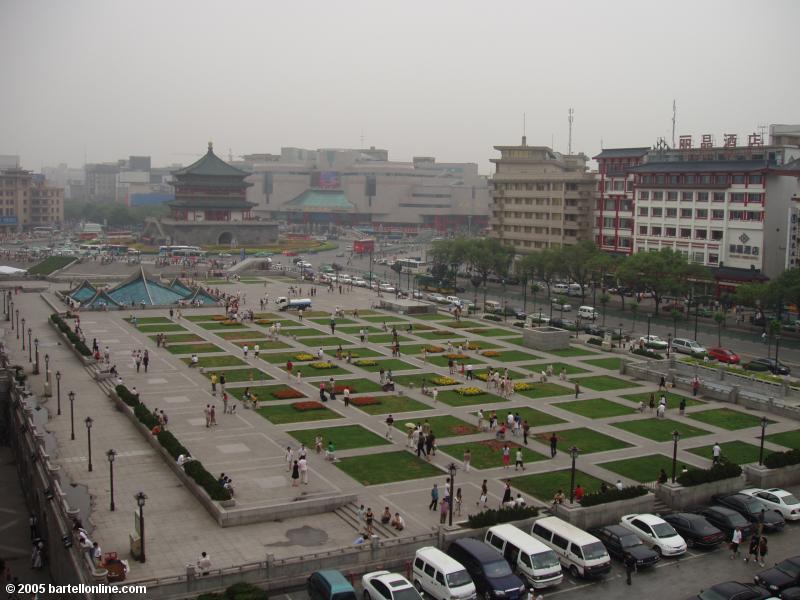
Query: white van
x=491, y=306
x=526, y=555
x=579, y=552
x=575, y=289
x=440, y=576
x=561, y=288
x=587, y=312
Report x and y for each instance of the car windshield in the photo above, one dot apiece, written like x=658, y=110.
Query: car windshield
x=629, y=541
x=790, y=499
x=544, y=560
x=458, y=578
x=594, y=551
x=664, y=530
x=790, y=568
x=408, y=593
x=498, y=568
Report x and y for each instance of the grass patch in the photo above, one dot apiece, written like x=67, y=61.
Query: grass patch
x=238, y=375
x=161, y=328
x=356, y=329
x=515, y=375
x=787, y=439
x=203, y=348
x=345, y=437
x=545, y=390
x=443, y=426
x=535, y=418
x=387, y=338
x=441, y=360
x=673, y=400
x=442, y=336
x=586, y=439
x=571, y=351
x=324, y=342
x=603, y=383
x=303, y=332
x=611, y=364
x=285, y=413
x=246, y=334
x=263, y=344
x=453, y=398
x=416, y=349
x=388, y=364
x=394, y=405
x=308, y=371
x=216, y=325
x=726, y=418
x=217, y=361
x=201, y=318
x=488, y=454
x=557, y=368
x=384, y=319
x=285, y=323
x=597, y=408
x=659, y=430
x=276, y=358
x=544, y=486
x=150, y=320
x=180, y=337
x=493, y=332
x=265, y=393
x=737, y=452
x=51, y=264
x=360, y=386
x=433, y=317
x=338, y=321
x=463, y=324
x=386, y=467
x=643, y=469
x=513, y=356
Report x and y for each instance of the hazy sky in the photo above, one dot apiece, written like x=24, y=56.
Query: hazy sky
x=443, y=78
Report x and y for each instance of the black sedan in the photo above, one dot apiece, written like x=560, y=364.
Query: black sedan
x=792, y=593
x=727, y=520
x=621, y=543
x=752, y=510
x=593, y=329
x=767, y=364
x=733, y=590
x=695, y=529
x=783, y=575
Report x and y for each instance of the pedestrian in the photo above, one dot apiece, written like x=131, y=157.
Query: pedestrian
x=753, y=548
x=289, y=367
x=553, y=445
x=256, y=350
x=762, y=549
x=222, y=381
x=225, y=409
x=630, y=566
x=736, y=539
x=214, y=379
x=421, y=445
x=389, y=424
x=518, y=464
x=695, y=385
x=435, y=394
x=578, y=492
x=484, y=497
x=506, y=495
x=245, y=349
x=212, y=415
x=302, y=465
x=459, y=501
x=204, y=562
x=467, y=460
x=577, y=389
x=525, y=430
x=295, y=474
x=347, y=396
x=146, y=360
x=716, y=453
x=444, y=508
x=682, y=406
x=662, y=383
x=207, y=414
x=506, y=456
x=138, y=361
x=289, y=457
x=434, y=497
x=369, y=518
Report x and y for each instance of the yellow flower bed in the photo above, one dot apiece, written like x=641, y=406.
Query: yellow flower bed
x=441, y=380
x=523, y=387
x=482, y=376
x=434, y=349
x=474, y=346
x=365, y=362
x=230, y=323
x=304, y=356
x=219, y=318
x=263, y=322
x=491, y=353
x=470, y=391
x=323, y=365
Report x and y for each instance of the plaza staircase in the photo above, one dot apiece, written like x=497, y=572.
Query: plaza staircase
x=349, y=514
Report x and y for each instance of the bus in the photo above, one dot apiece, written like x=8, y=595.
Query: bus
x=413, y=265
x=44, y=231
x=183, y=251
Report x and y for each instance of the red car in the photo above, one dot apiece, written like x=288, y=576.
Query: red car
x=724, y=355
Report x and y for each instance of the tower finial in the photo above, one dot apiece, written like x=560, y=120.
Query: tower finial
x=210, y=146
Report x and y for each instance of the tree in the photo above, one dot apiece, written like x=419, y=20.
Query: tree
x=676, y=315
x=604, y=301
x=397, y=268
x=751, y=294
x=719, y=318
x=635, y=311
x=664, y=272
x=600, y=265
x=578, y=263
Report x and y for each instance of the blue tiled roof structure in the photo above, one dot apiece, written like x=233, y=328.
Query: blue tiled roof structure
x=85, y=291
x=180, y=287
x=101, y=300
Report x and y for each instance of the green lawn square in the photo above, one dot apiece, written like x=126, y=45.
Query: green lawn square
x=394, y=405
x=359, y=352
x=387, y=338
x=285, y=323
x=545, y=390
x=356, y=329
x=603, y=383
x=201, y=348
x=442, y=426
x=572, y=351
x=237, y=375
x=737, y=452
x=161, y=328
x=416, y=379
x=416, y=349
x=535, y=418
x=150, y=320
x=201, y=318
x=557, y=367
x=309, y=371
x=506, y=356
x=453, y=398
x=387, y=364
x=787, y=439
x=434, y=317
x=611, y=363
x=643, y=469
x=345, y=437
x=544, y=486
x=441, y=360
x=597, y=408
x=440, y=337
x=659, y=430
x=385, y=319
x=316, y=313
x=673, y=400
x=267, y=315
x=337, y=321
x=587, y=440
x=303, y=332
x=221, y=325
x=493, y=332
x=262, y=345
x=246, y=334
x=265, y=393
x=216, y=361
x=463, y=324
x=324, y=342
x=284, y=413
x=177, y=338
x=727, y=418
x=488, y=454
x=377, y=468
x=360, y=385
x=276, y=358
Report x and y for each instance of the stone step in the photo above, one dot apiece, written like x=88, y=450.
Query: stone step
x=349, y=513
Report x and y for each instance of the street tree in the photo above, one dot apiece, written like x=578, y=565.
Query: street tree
x=719, y=319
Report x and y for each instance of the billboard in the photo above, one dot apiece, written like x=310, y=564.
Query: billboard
x=363, y=246
x=8, y=220
x=327, y=180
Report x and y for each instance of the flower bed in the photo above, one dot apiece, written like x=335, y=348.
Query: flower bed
x=323, y=365
x=474, y=346
x=303, y=356
x=364, y=401
x=366, y=362
x=287, y=394
x=263, y=322
x=482, y=376
x=309, y=405
x=470, y=391
x=339, y=389
x=230, y=323
x=491, y=353
x=434, y=349
x=523, y=387
x=456, y=356
x=219, y=318
x=442, y=380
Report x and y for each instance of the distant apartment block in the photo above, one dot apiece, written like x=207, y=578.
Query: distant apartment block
x=27, y=201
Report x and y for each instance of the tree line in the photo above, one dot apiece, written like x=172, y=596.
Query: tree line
x=111, y=213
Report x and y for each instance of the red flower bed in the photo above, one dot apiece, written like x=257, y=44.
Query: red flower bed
x=339, y=389
x=286, y=394
x=463, y=429
x=364, y=401
x=310, y=405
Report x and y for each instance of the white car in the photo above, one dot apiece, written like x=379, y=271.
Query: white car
x=654, y=342
x=383, y=585
x=656, y=533
x=358, y=282
x=777, y=499
x=386, y=288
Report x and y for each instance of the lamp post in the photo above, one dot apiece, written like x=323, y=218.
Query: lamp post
x=648, y=325
x=30, y=349
x=58, y=391
x=669, y=343
x=696, y=311
x=46, y=367
x=36, y=364
x=675, y=437
x=23, y=333
x=574, y=453
x=111, y=455
x=89, y=422
x=10, y=313
x=140, y=500
x=620, y=334
x=452, y=469
x=761, y=450
x=18, y=324
x=71, y=415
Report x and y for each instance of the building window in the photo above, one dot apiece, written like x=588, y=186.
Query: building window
x=624, y=242
x=698, y=257
x=755, y=179
x=642, y=229
x=672, y=196
x=686, y=213
x=719, y=196
x=755, y=216
x=717, y=214
x=701, y=213
x=702, y=196
x=670, y=232
x=716, y=235
x=674, y=179
x=658, y=196
x=700, y=234
x=626, y=205
x=626, y=223
x=656, y=230
x=660, y=179
x=643, y=211
x=737, y=197
x=672, y=213
x=721, y=179
x=754, y=198
x=644, y=195
x=688, y=178
x=713, y=259
x=687, y=196
x=739, y=179
x=705, y=179
x=686, y=233
x=610, y=205
x=657, y=211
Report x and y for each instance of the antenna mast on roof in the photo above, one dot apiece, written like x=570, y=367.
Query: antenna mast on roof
x=570, y=117
x=674, y=110
x=524, y=130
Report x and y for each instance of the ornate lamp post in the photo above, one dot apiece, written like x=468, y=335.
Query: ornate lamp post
x=30, y=350
x=621, y=325
x=452, y=469
x=17, y=311
x=89, y=422
x=72, y=415
x=23, y=333
x=764, y=422
x=648, y=325
x=141, y=497
x=58, y=391
x=574, y=451
x=46, y=367
x=675, y=437
x=111, y=455
x=36, y=364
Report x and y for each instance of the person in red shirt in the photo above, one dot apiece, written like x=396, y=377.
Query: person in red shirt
x=289, y=367
x=578, y=493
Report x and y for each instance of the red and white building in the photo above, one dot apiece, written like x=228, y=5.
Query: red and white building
x=614, y=206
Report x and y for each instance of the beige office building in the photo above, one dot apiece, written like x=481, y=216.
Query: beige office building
x=542, y=199
x=27, y=201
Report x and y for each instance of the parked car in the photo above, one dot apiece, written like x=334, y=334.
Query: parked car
x=792, y=593
x=540, y=318
x=696, y=530
x=558, y=305
x=563, y=323
x=329, y=584
x=593, y=329
x=493, y=577
x=670, y=306
x=727, y=520
x=750, y=509
x=656, y=533
x=621, y=543
x=724, y=355
x=383, y=585
x=653, y=342
x=703, y=312
x=767, y=364
x=732, y=590
x=686, y=346
x=783, y=575
x=777, y=499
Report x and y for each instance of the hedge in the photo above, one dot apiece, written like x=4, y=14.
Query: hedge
x=492, y=318
x=723, y=470
x=647, y=353
x=170, y=443
x=502, y=515
x=595, y=341
x=238, y=591
x=777, y=460
x=71, y=335
x=613, y=494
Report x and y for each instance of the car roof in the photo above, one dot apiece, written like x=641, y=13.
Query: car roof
x=729, y=587
x=478, y=549
x=617, y=530
x=647, y=518
x=684, y=515
x=723, y=510
x=778, y=492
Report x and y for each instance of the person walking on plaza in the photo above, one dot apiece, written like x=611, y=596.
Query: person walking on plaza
x=755, y=540
x=506, y=456
x=389, y=426
x=762, y=549
x=212, y=415
x=484, y=497
x=682, y=407
x=444, y=508
x=518, y=464
x=207, y=414
x=553, y=445
x=467, y=460
x=146, y=360
x=736, y=539
x=333, y=326
x=716, y=453
x=302, y=465
x=577, y=389
x=695, y=385
x=421, y=445
x=506, y=495
x=434, y=497
x=295, y=474
x=525, y=430
x=630, y=567
x=289, y=367
x=289, y=457
x=346, y=396
x=214, y=379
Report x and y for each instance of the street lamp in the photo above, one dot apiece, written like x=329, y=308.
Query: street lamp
x=648, y=326
x=111, y=455
x=620, y=334
x=452, y=469
x=23, y=333
x=36, y=364
x=761, y=450
x=669, y=343
x=58, y=391
x=140, y=500
x=574, y=453
x=30, y=348
x=47, y=367
x=71, y=415
x=89, y=422
x=675, y=437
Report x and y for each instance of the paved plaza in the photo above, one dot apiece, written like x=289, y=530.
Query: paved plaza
x=616, y=440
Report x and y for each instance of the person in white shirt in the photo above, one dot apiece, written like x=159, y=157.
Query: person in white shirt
x=289, y=458
x=302, y=465
x=204, y=563
x=716, y=452
x=736, y=539
x=619, y=485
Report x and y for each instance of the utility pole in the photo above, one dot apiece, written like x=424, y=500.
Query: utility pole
x=674, y=110
x=570, y=118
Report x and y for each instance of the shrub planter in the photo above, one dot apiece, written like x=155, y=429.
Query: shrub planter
x=762, y=477
x=679, y=497
x=86, y=360
x=603, y=514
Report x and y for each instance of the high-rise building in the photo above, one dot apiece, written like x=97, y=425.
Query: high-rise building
x=28, y=201
x=542, y=199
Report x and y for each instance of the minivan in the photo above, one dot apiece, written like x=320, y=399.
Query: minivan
x=561, y=288
x=685, y=346
x=587, y=312
x=329, y=584
x=493, y=578
x=579, y=552
x=491, y=306
x=441, y=577
x=526, y=555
